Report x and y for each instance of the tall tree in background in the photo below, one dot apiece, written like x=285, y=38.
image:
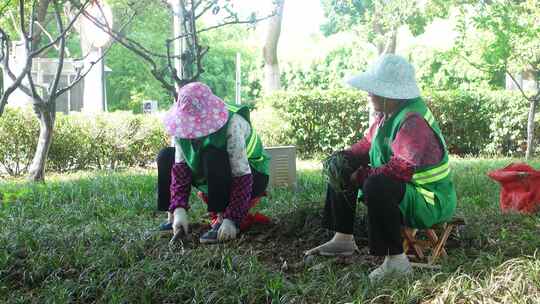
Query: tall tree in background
x=509, y=41
x=381, y=18
x=161, y=64
x=43, y=95
x=271, y=63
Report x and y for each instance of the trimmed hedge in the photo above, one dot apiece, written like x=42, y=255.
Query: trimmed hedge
x=108, y=140
x=473, y=122
x=18, y=138
x=317, y=122
x=483, y=122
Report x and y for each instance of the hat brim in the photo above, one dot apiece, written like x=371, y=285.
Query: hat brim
x=367, y=82
x=185, y=125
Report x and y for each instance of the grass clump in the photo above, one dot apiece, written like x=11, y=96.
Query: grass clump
x=91, y=237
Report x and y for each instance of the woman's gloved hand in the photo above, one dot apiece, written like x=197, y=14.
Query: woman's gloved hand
x=181, y=221
x=227, y=230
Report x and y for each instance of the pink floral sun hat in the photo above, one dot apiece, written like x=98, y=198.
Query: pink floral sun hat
x=197, y=112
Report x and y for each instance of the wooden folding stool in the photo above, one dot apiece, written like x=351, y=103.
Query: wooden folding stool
x=417, y=246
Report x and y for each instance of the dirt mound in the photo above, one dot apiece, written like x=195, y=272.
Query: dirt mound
x=281, y=244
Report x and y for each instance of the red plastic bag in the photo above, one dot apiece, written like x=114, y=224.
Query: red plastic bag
x=520, y=188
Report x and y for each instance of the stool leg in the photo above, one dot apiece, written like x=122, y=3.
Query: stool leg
x=410, y=236
x=440, y=246
x=434, y=241
x=432, y=236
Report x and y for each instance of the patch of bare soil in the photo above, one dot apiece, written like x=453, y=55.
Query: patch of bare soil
x=281, y=244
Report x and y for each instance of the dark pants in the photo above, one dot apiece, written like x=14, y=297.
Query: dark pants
x=215, y=168
x=382, y=196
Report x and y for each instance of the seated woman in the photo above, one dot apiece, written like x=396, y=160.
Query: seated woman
x=217, y=151
x=403, y=177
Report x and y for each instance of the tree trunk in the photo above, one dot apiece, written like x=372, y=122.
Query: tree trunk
x=271, y=65
x=46, y=116
x=384, y=40
x=530, y=126
x=384, y=46
x=391, y=44
x=43, y=5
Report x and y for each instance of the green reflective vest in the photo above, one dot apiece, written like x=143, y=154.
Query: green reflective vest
x=430, y=197
x=257, y=157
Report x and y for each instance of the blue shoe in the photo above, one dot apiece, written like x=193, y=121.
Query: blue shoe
x=210, y=237
x=165, y=227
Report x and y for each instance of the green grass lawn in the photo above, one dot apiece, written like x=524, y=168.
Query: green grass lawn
x=91, y=237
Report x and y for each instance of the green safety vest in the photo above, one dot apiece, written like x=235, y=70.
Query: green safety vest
x=430, y=197
x=257, y=157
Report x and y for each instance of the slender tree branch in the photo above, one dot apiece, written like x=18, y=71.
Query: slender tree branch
x=64, y=32
x=137, y=49
x=518, y=85
x=53, y=88
x=41, y=17
x=31, y=24
x=206, y=8
x=21, y=14
x=80, y=76
x=3, y=44
x=17, y=80
x=195, y=5
x=43, y=30
x=225, y=24
x=116, y=34
x=28, y=41
x=170, y=64
x=196, y=46
x=7, y=3
x=14, y=24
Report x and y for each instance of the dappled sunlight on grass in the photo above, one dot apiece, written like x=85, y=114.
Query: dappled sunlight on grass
x=92, y=237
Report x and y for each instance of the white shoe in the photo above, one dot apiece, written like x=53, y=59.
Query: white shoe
x=334, y=248
x=393, y=264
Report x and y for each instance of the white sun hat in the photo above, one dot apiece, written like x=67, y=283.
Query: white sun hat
x=390, y=76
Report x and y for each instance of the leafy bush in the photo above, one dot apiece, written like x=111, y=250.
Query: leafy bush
x=316, y=121
x=464, y=119
x=80, y=141
x=508, y=125
x=69, y=148
x=18, y=139
x=482, y=121
x=473, y=121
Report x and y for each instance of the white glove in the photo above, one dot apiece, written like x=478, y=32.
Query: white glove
x=181, y=222
x=227, y=231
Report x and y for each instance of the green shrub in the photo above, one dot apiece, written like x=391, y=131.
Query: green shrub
x=316, y=121
x=464, y=119
x=271, y=125
x=472, y=121
x=19, y=131
x=69, y=147
x=482, y=122
x=81, y=141
x=124, y=139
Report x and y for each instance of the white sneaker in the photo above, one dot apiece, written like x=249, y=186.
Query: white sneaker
x=334, y=248
x=393, y=264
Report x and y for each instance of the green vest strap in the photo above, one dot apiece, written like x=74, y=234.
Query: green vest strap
x=430, y=197
x=435, y=174
x=252, y=143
